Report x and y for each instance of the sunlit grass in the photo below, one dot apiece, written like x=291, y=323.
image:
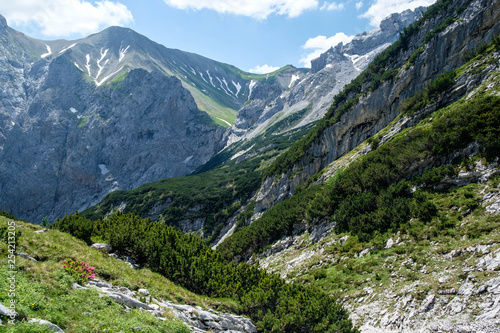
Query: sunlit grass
x=43, y=288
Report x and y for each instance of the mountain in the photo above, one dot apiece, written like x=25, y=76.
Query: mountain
x=84, y=118
x=80, y=119
x=376, y=97
x=389, y=206
x=281, y=108
x=391, y=201
x=313, y=91
x=111, y=111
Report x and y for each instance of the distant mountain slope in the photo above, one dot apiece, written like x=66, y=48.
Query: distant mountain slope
x=314, y=91
x=110, y=111
x=438, y=42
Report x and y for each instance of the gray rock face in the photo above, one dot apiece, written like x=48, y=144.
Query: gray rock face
x=67, y=138
x=25, y=256
x=315, y=90
x=479, y=22
x=102, y=246
x=208, y=320
x=198, y=319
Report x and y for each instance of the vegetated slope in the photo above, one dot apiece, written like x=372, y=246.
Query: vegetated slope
x=273, y=304
x=404, y=228
x=441, y=275
x=428, y=259
x=372, y=195
x=430, y=46
x=44, y=289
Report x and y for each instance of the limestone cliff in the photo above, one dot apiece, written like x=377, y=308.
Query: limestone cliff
x=478, y=23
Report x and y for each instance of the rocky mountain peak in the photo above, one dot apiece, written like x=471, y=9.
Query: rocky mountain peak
x=398, y=21
x=366, y=45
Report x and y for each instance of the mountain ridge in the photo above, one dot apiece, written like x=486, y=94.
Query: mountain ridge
x=389, y=205
x=90, y=66
x=315, y=90
x=58, y=122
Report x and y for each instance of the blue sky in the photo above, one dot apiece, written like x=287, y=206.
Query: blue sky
x=253, y=35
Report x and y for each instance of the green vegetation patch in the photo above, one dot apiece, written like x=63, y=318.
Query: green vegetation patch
x=272, y=303
x=43, y=289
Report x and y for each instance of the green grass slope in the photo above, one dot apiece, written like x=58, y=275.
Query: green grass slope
x=43, y=288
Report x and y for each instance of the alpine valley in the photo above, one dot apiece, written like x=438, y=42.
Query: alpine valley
x=361, y=195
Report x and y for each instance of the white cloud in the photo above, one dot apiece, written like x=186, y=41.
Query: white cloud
x=58, y=18
x=332, y=6
x=320, y=44
x=259, y=9
x=264, y=69
x=380, y=9
x=359, y=5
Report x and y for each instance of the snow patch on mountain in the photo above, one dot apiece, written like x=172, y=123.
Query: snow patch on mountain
x=227, y=87
x=252, y=85
x=238, y=87
x=104, y=169
x=49, y=52
x=66, y=49
x=88, y=64
x=122, y=52
x=98, y=83
x=201, y=75
x=294, y=78
x=210, y=78
x=222, y=85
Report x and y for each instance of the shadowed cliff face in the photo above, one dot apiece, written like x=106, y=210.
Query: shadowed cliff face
x=65, y=142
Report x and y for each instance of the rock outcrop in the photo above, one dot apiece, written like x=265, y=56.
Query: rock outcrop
x=198, y=319
x=424, y=289
x=201, y=320
x=53, y=327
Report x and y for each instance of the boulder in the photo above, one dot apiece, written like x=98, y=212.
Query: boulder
x=25, y=256
x=389, y=243
x=427, y=304
x=53, y=327
x=102, y=246
x=5, y=311
x=127, y=300
x=143, y=292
